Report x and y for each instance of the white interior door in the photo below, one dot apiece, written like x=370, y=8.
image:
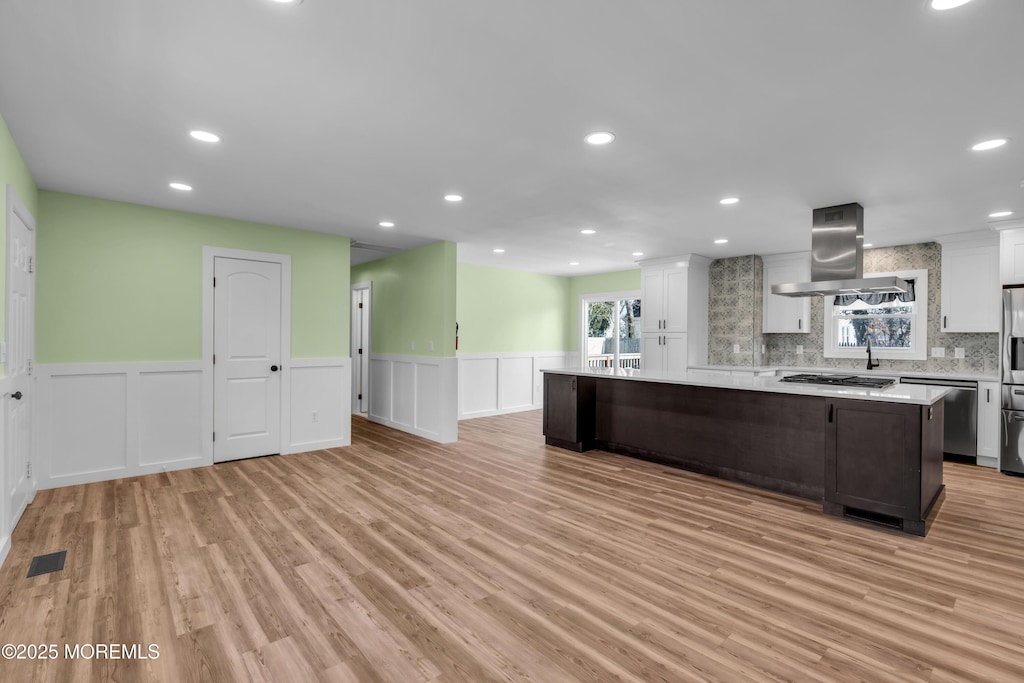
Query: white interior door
x=20, y=344
x=247, y=358
x=360, y=349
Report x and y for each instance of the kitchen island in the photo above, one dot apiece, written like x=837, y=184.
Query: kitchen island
x=870, y=454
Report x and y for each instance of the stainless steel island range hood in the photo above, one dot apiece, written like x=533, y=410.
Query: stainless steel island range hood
x=837, y=257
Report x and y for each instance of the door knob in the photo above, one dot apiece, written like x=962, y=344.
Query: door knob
x=16, y=395
x=273, y=368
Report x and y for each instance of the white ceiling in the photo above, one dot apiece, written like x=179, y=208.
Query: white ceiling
x=339, y=114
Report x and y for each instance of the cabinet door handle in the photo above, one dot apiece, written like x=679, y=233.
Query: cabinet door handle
x=574, y=385
x=944, y=322
x=830, y=407
x=988, y=396
x=799, y=323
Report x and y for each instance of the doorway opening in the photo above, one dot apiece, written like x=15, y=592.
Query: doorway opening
x=360, y=347
x=610, y=330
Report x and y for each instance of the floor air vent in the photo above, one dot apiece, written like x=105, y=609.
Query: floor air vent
x=45, y=564
x=874, y=518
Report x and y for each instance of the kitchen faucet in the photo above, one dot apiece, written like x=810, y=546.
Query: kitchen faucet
x=871, y=364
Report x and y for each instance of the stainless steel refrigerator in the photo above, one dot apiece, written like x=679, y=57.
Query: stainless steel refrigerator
x=1011, y=452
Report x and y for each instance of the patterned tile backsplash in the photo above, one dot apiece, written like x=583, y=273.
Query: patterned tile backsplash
x=734, y=317
x=734, y=313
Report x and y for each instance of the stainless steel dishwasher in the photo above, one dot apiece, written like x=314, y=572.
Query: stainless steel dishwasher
x=961, y=429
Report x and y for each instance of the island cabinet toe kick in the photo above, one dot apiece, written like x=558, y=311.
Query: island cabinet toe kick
x=867, y=460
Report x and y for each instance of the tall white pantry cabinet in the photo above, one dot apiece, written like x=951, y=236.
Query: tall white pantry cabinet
x=674, y=312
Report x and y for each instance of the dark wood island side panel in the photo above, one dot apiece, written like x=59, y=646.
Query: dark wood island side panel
x=871, y=460
x=774, y=441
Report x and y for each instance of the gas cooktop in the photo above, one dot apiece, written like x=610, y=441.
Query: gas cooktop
x=841, y=380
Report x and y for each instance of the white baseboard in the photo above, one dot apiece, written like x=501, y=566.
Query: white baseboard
x=500, y=383
x=415, y=394
x=102, y=421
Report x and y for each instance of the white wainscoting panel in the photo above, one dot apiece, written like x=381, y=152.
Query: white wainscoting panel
x=478, y=386
x=92, y=411
x=101, y=421
x=170, y=417
x=515, y=382
x=416, y=394
x=497, y=383
x=403, y=398
x=380, y=401
x=320, y=386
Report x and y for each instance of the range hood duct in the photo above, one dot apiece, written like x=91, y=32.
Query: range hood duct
x=837, y=258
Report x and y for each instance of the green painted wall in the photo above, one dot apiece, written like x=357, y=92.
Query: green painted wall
x=14, y=172
x=413, y=300
x=122, y=282
x=509, y=310
x=620, y=281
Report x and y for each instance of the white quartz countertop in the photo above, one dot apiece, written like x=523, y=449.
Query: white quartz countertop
x=918, y=394
x=846, y=371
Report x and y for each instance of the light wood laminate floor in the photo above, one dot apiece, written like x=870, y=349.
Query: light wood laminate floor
x=498, y=558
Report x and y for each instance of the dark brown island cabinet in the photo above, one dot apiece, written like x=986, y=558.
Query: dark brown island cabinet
x=867, y=459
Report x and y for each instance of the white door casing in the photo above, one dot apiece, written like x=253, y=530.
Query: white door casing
x=360, y=347
x=247, y=356
x=19, y=486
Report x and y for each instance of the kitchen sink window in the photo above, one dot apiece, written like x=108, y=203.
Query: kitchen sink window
x=896, y=324
x=611, y=330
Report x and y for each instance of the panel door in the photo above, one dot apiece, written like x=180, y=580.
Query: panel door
x=652, y=294
x=652, y=356
x=784, y=313
x=20, y=344
x=870, y=456
x=247, y=359
x=1011, y=256
x=970, y=289
x=560, y=407
x=675, y=353
x=988, y=420
x=676, y=299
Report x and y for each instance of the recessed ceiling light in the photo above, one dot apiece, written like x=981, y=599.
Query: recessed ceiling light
x=453, y=197
x=587, y=231
x=386, y=224
x=947, y=4
x=499, y=251
x=204, y=136
x=990, y=144
x=600, y=138
x=638, y=253
x=721, y=241
x=574, y=263
x=181, y=186
x=868, y=244
x=729, y=200
x=1000, y=214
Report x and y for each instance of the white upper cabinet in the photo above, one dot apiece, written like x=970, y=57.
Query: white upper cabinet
x=674, y=300
x=784, y=313
x=1011, y=256
x=970, y=286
